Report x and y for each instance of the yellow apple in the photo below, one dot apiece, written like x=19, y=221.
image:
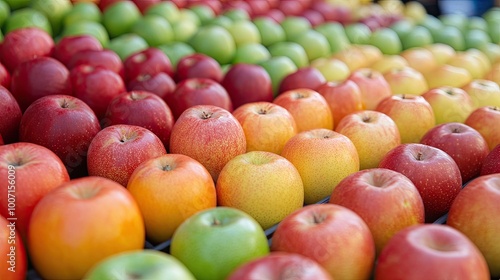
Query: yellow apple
x=449, y=104
x=353, y=57
x=420, y=59
x=447, y=75
x=406, y=80
x=469, y=62
x=333, y=69
x=372, y=53
x=389, y=62
x=483, y=93
x=441, y=52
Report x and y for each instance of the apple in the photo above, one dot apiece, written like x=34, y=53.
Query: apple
x=244, y=32
x=142, y=264
x=354, y=57
x=386, y=200
x=420, y=59
x=433, y=171
x=102, y=58
x=335, y=34
x=449, y=104
x=86, y=27
x=10, y=114
x=483, y=93
x=485, y=120
x=373, y=87
x=214, y=41
x=78, y=205
x=362, y=128
x=214, y=242
x=210, y=135
x=252, y=53
x=386, y=40
x=389, y=62
x=332, y=69
x=291, y=8
x=314, y=43
x=278, y=68
x=68, y=46
x=15, y=264
x=348, y=252
x=419, y=36
x=119, y=17
x=467, y=61
x=144, y=5
x=447, y=75
x=494, y=73
x=430, y=249
x=5, y=77
x=292, y=50
x=27, y=18
x=167, y=10
x=305, y=77
x=490, y=163
x=117, y=150
x=82, y=11
x=270, y=31
x=277, y=265
x=204, y=11
x=160, y=84
x=442, y=52
x=1, y=140
x=198, y=65
x=127, y=44
x=183, y=29
x=54, y=10
x=294, y=26
x=154, y=29
x=406, y=80
x=143, y=109
x=236, y=10
x=357, y=33
x=371, y=53
x=450, y=35
x=149, y=61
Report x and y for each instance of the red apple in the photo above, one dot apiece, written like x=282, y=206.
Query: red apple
x=10, y=116
x=5, y=77
x=291, y=8
x=491, y=163
x=331, y=12
x=149, y=61
x=246, y=83
x=143, y=5
x=65, y=49
x=305, y=77
x=198, y=91
x=15, y=264
x=1, y=140
x=314, y=17
x=117, y=150
x=103, y=58
x=275, y=14
x=210, y=135
x=374, y=88
x=160, y=84
x=259, y=7
x=104, y=4
x=144, y=109
x=463, y=143
x=434, y=173
x=486, y=120
x=198, y=65
x=430, y=250
x=24, y=44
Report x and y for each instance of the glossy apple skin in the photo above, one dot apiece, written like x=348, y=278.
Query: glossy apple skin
x=143, y=109
x=103, y=58
x=117, y=150
x=306, y=77
x=37, y=78
x=65, y=49
x=66, y=236
x=24, y=44
x=198, y=65
x=5, y=77
x=332, y=235
x=65, y=125
x=246, y=83
x=277, y=265
x=463, y=143
x=430, y=249
x=374, y=88
x=149, y=61
x=10, y=114
x=10, y=239
x=160, y=84
x=472, y=214
x=485, y=120
x=434, y=173
x=450, y=104
x=491, y=163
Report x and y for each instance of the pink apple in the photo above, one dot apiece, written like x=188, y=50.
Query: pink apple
x=198, y=65
x=305, y=77
x=103, y=58
x=486, y=120
x=10, y=116
x=160, y=84
x=65, y=49
x=491, y=163
x=374, y=88
x=149, y=61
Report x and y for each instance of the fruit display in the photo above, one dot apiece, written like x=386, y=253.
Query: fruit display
x=248, y=139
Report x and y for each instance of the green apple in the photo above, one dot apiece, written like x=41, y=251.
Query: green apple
x=244, y=32
x=270, y=31
x=457, y=20
x=175, y=51
x=54, y=10
x=476, y=39
x=492, y=51
x=418, y=37
x=278, y=67
x=494, y=31
x=236, y=14
x=120, y=17
x=92, y=28
x=252, y=53
x=214, y=41
x=294, y=25
x=335, y=34
x=83, y=11
x=4, y=12
x=492, y=14
x=17, y=4
x=221, y=20
x=450, y=35
x=213, y=242
x=154, y=29
x=314, y=43
x=476, y=22
x=291, y=50
x=402, y=27
x=145, y=264
x=203, y=12
x=127, y=44
x=27, y=17
x=187, y=14
x=432, y=23
x=357, y=33
x=387, y=40
x=165, y=9
x=183, y=30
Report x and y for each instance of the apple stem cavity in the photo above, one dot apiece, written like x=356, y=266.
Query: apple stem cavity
x=420, y=156
x=262, y=111
x=166, y=167
x=317, y=218
x=206, y=115
x=216, y=222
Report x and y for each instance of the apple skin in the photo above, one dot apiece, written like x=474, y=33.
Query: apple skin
x=149, y=61
x=214, y=242
x=10, y=114
x=420, y=59
x=305, y=77
x=483, y=93
x=70, y=45
x=160, y=84
x=279, y=265
x=433, y=171
x=332, y=235
x=447, y=75
x=406, y=80
x=450, y=104
x=491, y=163
x=103, y=58
x=35, y=171
x=24, y=44
x=471, y=214
x=208, y=134
x=143, y=109
x=10, y=239
x=198, y=65
x=374, y=88
x=463, y=143
x=5, y=77
x=65, y=125
x=39, y=77
x=485, y=120
x=117, y=150
x=71, y=214
x=430, y=249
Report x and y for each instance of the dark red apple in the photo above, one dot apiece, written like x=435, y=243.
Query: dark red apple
x=491, y=163
x=1, y=140
x=65, y=125
x=160, y=84
x=5, y=77
x=10, y=116
x=103, y=58
x=65, y=49
x=24, y=44
x=198, y=65
x=37, y=78
x=305, y=77
x=149, y=61
x=143, y=5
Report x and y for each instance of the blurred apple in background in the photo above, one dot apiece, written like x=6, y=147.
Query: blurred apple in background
x=483, y=93
x=10, y=114
x=447, y=75
x=5, y=77
x=306, y=77
x=491, y=163
x=12, y=245
x=442, y=53
x=149, y=61
x=160, y=84
x=103, y=58
x=198, y=65
x=467, y=61
x=278, y=68
x=389, y=62
x=494, y=73
x=386, y=40
x=374, y=88
x=485, y=120
x=333, y=70
x=214, y=41
x=68, y=46
x=406, y=80
x=118, y=18
x=292, y=50
x=420, y=59
x=449, y=104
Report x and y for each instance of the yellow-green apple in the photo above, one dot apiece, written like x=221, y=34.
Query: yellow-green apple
x=279, y=265
x=373, y=87
x=334, y=236
x=65, y=125
x=246, y=83
x=66, y=235
x=252, y=53
x=415, y=11
x=447, y=75
x=472, y=214
x=30, y=172
x=267, y=126
x=442, y=52
x=278, y=68
x=12, y=248
x=491, y=163
x=449, y=104
x=264, y=185
x=404, y=110
x=323, y=158
x=117, y=150
x=214, y=242
x=305, y=77
x=210, y=135
x=420, y=59
x=353, y=57
x=332, y=69
x=385, y=199
x=292, y=50
x=70, y=45
x=198, y=65
x=334, y=33
x=406, y=80
x=463, y=143
x=294, y=25
x=357, y=32
x=102, y=58
x=483, y=93
x=433, y=171
x=314, y=43
x=10, y=114
x=118, y=18
x=485, y=120
x=244, y=32
x=270, y=31
x=371, y=53
x=482, y=59
x=343, y=98
x=430, y=249
x=468, y=62
x=161, y=184
x=389, y=62
x=308, y=108
x=214, y=41
x=141, y=264
x=149, y=61
x=362, y=128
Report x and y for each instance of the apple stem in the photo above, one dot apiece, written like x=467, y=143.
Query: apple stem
x=123, y=139
x=419, y=156
x=65, y=104
x=216, y=222
x=166, y=167
x=262, y=111
x=366, y=119
x=206, y=115
x=318, y=218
